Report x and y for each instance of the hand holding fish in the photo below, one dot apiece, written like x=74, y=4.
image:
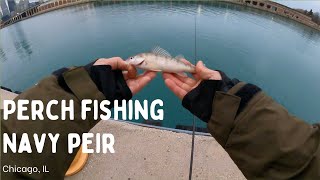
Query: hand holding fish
x=135, y=82
x=180, y=85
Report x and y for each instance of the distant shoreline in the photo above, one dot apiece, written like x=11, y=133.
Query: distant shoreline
x=278, y=9
x=263, y=5
x=41, y=9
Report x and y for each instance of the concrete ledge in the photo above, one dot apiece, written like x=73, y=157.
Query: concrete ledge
x=6, y=95
x=147, y=153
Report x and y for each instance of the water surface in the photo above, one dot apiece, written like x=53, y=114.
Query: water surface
x=279, y=55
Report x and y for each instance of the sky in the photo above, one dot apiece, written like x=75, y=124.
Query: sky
x=301, y=4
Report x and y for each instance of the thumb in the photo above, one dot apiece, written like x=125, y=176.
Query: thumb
x=205, y=73
x=201, y=66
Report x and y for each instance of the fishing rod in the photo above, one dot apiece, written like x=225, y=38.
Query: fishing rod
x=194, y=118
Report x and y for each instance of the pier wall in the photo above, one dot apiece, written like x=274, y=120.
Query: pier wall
x=278, y=9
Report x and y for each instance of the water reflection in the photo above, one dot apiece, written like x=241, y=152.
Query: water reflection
x=247, y=13
x=153, y=7
x=87, y=10
x=252, y=15
x=21, y=43
x=247, y=44
x=3, y=56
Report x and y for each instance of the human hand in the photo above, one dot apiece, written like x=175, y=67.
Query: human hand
x=135, y=82
x=181, y=85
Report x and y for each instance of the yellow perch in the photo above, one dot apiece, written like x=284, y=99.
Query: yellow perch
x=160, y=60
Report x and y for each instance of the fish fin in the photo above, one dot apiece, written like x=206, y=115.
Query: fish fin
x=155, y=70
x=179, y=57
x=159, y=51
x=182, y=74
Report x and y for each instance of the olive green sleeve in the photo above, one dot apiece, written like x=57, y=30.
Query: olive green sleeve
x=48, y=89
x=264, y=140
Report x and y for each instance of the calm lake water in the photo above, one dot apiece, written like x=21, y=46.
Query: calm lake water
x=279, y=55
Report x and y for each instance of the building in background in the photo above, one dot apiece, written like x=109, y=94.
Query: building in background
x=23, y=5
x=5, y=10
x=0, y=15
x=33, y=4
x=12, y=6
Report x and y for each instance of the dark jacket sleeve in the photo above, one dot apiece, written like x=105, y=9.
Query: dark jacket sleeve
x=95, y=83
x=261, y=137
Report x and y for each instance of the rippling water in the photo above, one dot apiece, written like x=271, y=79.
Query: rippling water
x=279, y=55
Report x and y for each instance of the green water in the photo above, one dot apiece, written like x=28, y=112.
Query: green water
x=279, y=55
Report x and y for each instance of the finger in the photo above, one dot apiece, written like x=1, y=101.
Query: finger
x=196, y=76
x=108, y=61
x=179, y=92
x=186, y=80
x=177, y=81
x=117, y=63
x=141, y=81
x=166, y=75
x=125, y=75
x=120, y=64
x=114, y=62
x=201, y=68
x=146, y=77
x=132, y=72
x=204, y=73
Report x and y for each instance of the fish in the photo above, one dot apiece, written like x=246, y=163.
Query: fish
x=160, y=60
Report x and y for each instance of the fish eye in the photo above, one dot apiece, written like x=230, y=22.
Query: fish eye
x=131, y=57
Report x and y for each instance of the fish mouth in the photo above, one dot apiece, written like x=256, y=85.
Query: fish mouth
x=140, y=63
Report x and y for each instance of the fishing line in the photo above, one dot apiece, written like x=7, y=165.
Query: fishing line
x=194, y=118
